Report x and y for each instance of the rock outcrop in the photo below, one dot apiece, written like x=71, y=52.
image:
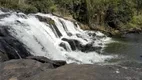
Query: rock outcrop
x=90, y=72
x=22, y=69
x=41, y=68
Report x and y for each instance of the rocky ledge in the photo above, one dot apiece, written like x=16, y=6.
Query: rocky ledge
x=41, y=68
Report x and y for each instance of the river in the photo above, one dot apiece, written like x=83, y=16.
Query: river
x=127, y=48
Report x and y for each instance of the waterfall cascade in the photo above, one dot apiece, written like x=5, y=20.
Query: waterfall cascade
x=55, y=38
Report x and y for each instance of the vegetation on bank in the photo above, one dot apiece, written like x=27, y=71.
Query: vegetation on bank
x=113, y=15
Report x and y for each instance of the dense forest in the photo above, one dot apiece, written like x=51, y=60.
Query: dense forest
x=117, y=15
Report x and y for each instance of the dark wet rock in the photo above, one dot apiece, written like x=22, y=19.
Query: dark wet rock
x=45, y=19
x=88, y=47
x=62, y=44
x=55, y=63
x=79, y=35
x=69, y=34
x=73, y=43
x=92, y=34
x=51, y=23
x=10, y=46
x=22, y=15
x=4, y=15
x=13, y=48
x=5, y=10
x=76, y=45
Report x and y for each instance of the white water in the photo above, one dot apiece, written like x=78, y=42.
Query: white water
x=43, y=39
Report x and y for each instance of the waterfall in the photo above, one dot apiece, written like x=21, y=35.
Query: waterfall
x=55, y=37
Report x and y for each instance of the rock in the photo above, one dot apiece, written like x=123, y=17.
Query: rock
x=55, y=63
x=89, y=47
x=45, y=19
x=22, y=68
x=90, y=72
x=10, y=46
x=3, y=57
x=64, y=45
x=69, y=34
x=42, y=69
x=50, y=22
x=5, y=10
x=4, y=15
x=76, y=45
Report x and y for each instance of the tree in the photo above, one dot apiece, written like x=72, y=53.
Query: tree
x=138, y=6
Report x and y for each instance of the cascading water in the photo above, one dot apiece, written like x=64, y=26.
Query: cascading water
x=54, y=37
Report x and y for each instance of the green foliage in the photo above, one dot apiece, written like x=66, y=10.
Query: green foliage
x=113, y=13
x=138, y=6
x=137, y=20
x=29, y=6
x=42, y=5
x=9, y=3
x=28, y=9
x=77, y=8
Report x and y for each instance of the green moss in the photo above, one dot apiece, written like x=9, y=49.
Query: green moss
x=51, y=22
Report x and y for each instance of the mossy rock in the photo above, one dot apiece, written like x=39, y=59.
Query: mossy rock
x=51, y=21
x=46, y=20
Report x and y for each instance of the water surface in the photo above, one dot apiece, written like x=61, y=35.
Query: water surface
x=127, y=48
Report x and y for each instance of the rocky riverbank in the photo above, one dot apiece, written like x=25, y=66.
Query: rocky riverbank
x=41, y=68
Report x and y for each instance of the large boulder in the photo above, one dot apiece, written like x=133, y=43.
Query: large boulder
x=22, y=69
x=36, y=68
x=90, y=72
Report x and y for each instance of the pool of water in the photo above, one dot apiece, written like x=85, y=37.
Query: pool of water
x=127, y=48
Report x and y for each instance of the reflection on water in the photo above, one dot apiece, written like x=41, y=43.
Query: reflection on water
x=127, y=48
